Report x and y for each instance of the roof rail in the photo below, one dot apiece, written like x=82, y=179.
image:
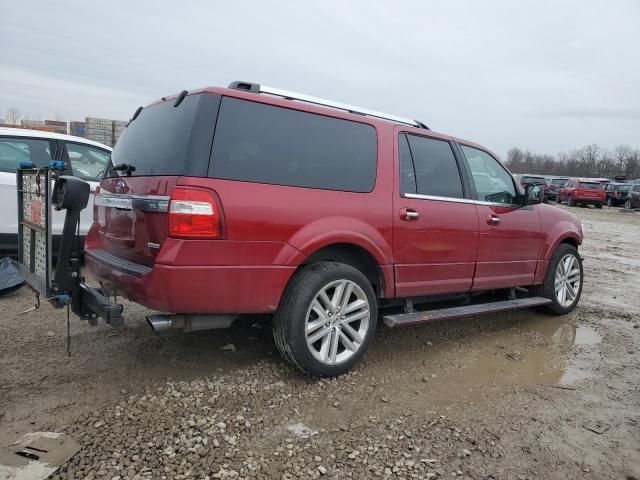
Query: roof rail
x=257, y=88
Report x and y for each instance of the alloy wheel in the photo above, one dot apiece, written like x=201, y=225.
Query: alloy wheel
x=337, y=322
x=568, y=280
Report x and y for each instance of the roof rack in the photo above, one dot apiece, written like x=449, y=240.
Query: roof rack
x=257, y=88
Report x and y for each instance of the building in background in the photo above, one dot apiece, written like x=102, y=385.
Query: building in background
x=101, y=130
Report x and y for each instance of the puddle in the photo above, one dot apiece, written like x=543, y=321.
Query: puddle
x=587, y=336
x=538, y=351
x=474, y=367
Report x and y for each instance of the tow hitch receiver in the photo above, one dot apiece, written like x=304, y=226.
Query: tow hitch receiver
x=64, y=285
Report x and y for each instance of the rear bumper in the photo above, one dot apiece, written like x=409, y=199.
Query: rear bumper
x=193, y=289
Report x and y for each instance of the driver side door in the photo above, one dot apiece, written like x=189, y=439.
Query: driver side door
x=510, y=234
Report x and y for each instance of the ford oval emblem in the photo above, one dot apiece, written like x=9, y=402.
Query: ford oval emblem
x=120, y=186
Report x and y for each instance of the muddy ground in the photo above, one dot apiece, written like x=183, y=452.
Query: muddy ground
x=520, y=395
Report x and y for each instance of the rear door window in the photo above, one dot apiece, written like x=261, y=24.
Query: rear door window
x=262, y=143
x=435, y=167
x=14, y=150
x=156, y=142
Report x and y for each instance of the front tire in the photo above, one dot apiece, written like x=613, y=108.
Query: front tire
x=563, y=280
x=326, y=319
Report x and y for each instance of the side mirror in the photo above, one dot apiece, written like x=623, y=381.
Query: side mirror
x=533, y=194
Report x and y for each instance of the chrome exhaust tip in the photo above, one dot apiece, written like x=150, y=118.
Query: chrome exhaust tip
x=161, y=322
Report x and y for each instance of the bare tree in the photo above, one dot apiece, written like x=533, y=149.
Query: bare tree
x=588, y=161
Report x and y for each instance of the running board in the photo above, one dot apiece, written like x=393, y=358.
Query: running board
x=460, y=312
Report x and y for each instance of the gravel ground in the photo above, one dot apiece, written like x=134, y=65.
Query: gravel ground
x=519, y=395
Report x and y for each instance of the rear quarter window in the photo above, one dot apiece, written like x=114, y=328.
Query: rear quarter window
x=262, y=143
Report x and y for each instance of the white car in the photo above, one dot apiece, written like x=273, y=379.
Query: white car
x=83, y=158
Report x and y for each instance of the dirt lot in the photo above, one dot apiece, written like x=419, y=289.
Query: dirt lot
x=521, y=395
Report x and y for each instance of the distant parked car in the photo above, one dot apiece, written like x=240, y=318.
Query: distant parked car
x=555, y=184
x=580, y=191
x=83, y=158
x=616, y=193
x=633, y=198
x=526, y=180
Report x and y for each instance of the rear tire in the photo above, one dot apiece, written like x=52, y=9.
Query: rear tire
x=311, y=327
x=598, y=206
x=563, y=280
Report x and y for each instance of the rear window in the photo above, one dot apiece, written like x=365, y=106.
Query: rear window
x=623, y=188
x=559, y=181
x=261, y=143
x=528, y=179
x=156, y=142
x=590, y=185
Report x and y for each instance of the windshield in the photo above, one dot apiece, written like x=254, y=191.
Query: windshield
x=156, y=142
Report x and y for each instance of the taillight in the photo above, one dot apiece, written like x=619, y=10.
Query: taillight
x=193, y=214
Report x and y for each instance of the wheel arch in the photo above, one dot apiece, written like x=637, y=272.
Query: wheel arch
x=355, y=256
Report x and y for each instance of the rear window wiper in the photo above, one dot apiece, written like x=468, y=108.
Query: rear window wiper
x=135, y=115
x=127, y=168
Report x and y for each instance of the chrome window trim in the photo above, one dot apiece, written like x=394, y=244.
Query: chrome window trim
x=419, y=196
x=440, y=199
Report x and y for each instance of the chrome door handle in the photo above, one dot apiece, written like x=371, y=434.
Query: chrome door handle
x=409, y=214
x=493, y=219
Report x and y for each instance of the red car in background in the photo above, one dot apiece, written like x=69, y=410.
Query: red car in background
x=581, y=191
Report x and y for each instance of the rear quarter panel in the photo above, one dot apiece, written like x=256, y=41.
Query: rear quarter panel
x=282, y=225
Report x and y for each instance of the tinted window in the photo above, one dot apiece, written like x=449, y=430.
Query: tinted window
x=493, y=182
x=436, y=169
x=590, y=185
x=15, y=150
x=86, y=162
x=261, y=143
x=623, y=188
x=558, y=181
x=407, y=172
x=532, y=180
x=156, y=142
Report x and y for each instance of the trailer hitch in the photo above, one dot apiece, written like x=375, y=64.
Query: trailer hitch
x=64, y=286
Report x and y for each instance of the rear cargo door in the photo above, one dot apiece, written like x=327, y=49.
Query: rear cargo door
x=164, y=142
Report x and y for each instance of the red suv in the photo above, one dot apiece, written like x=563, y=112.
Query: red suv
x=248, y=199
x=583, y=192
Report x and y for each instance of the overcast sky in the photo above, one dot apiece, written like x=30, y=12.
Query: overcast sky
x=544, y=75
